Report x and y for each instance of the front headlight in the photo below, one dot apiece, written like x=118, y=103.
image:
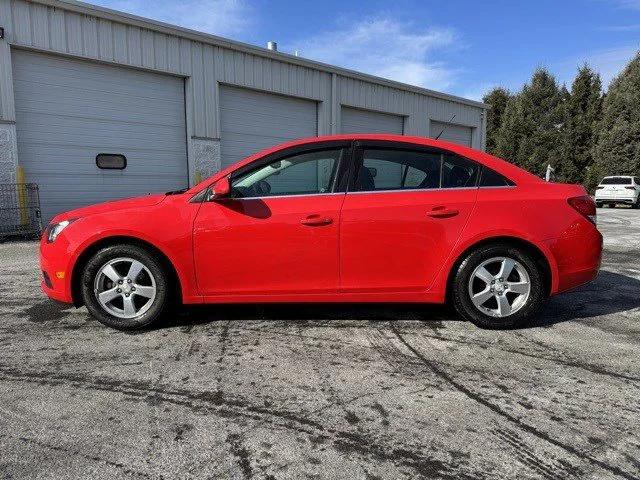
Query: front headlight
x=56, y=228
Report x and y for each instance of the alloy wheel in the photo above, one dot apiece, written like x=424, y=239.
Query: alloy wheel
x=125, y=287
x=499, y=286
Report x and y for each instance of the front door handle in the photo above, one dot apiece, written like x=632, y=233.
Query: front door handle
x=442, y=212
x=316, y=221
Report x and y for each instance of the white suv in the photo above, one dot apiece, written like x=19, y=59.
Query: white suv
x=620, y=189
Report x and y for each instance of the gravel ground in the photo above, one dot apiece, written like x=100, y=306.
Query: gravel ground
x=288, y=392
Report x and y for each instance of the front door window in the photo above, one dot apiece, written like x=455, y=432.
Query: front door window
x=302, y=174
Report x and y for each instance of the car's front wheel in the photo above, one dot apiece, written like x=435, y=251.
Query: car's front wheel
x=498, y=286
x=125, y=287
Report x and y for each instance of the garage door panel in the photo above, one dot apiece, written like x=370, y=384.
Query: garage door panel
x=125, y=132
x=355, y=120
x=93, y=77
x=71, y=90
x=103, y=110
x=459, y=134
x=103, y=135
x=68, y=111
x=69, y=154
x=263, y=123
x=252, y=121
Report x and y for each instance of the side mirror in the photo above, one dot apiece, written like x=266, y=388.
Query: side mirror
x=220, y=189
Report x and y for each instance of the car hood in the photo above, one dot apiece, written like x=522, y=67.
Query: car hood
x=124, y=204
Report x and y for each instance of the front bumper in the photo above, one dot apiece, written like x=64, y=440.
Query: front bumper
x=55, y=270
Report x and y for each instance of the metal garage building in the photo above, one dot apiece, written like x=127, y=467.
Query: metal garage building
x=77, y=81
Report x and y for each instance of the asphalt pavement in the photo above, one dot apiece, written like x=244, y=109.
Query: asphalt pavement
x=325, y=392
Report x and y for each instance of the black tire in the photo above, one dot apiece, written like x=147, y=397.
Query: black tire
x=462, y=299
x=637, y=204
x=599, y=204
x=162, y=288
x=612, y=205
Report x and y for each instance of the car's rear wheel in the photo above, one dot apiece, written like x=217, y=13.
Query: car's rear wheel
x=125, y=287
x=599, y=204
x=498, y=286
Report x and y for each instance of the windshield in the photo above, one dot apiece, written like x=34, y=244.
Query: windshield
x=616, y=181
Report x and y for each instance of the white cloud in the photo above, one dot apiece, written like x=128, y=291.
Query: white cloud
x=621, y=28
x=220, y=17
x=476, y=92
x=387, y=48
x=609, y=63
x=633, y=4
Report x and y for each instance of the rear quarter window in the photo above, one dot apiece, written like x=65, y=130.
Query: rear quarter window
x=489, y=178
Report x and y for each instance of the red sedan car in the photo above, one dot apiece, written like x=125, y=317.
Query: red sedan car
x=349, y=218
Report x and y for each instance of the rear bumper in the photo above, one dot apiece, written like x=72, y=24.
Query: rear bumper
x=578, y=258
x=628, y=201
x=619, y=196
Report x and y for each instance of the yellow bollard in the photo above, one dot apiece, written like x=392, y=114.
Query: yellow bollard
x=22, y=196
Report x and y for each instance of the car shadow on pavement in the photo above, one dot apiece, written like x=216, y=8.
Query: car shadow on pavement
x=312, y=314
x=610, y=293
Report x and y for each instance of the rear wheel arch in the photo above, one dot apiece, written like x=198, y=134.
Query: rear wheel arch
x=536, y=253
x=91, y=249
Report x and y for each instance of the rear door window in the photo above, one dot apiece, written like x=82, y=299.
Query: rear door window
x=399, y=169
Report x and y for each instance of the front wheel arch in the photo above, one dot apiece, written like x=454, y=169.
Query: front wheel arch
x=537, y=254
x=90, y=250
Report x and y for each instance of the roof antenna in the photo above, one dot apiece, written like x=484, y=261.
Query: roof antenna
x=446, y=125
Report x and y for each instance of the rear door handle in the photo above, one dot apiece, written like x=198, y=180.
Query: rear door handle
x=316, y=221
x=441, y=212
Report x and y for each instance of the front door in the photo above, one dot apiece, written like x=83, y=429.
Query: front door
x=402, y=217
x=278, y=233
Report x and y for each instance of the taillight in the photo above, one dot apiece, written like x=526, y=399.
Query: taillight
x=584, y=205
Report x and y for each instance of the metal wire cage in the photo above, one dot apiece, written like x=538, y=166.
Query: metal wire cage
x=19, y=210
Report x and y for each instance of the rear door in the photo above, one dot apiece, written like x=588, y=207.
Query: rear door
x=402, y=216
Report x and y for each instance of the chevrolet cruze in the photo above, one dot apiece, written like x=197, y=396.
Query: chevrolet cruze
x=349, y=218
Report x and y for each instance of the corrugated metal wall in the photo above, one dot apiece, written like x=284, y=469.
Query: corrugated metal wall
x=56, y=29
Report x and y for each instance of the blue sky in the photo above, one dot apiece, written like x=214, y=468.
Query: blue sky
x=460, y=47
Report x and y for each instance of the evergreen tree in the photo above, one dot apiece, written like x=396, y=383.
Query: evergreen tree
x=512, y=130
x=497, y=98
x=617, y=149
x=583, y=110
x=530, y=133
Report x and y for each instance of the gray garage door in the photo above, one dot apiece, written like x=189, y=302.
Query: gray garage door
x=251, y=121
x=452, y=133
x=365, y=121
x=68, y=111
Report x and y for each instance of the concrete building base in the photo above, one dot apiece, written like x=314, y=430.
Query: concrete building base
x=205, y=158
x=8, y=153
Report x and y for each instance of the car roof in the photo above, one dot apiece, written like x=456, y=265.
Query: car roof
x=618, y=176
x=503, y=167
